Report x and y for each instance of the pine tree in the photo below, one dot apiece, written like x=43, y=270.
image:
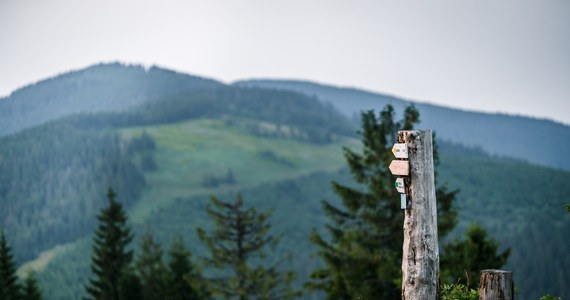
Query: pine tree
x=9, y=288
x=110, y=257
x=30, y=290
x=185, y=282
x=463, y=259
x=241, y=236
x=364, y=253
x=152, y=271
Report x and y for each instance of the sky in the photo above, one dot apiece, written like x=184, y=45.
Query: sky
x=508, y=56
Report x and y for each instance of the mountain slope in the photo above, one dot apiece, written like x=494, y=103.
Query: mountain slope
x=539, y=141
x=103, y=87
x=294, y=179
x=167, y=153
x=55, y=170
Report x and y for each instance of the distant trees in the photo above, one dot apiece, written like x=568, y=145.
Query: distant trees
x=151, y=269
x=363, y=255
x=177, y=280
x=236, y=243
x=465, y=258
x=30, y=289
x=60, y=161
x=186, y=282
x=211, y=181
x=111, y=259
x=9, y=287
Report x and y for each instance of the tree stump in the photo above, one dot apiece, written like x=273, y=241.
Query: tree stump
x=496, y=285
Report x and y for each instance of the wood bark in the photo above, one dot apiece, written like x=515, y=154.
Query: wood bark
x=496, y=285
x=420, y=260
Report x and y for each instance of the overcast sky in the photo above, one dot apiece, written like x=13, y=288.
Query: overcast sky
x=509, y=56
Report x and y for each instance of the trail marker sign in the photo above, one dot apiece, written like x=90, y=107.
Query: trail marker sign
x=400, y=167
x=403, y=201
x=400, y=150
x=399, y=184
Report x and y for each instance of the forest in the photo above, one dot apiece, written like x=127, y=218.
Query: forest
x=176, y=162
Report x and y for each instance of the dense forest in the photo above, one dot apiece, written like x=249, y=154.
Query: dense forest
x=279, y=149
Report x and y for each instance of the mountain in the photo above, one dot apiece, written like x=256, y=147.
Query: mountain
x=279, y=171
x=538, y=141
x=103, y=87
x=167, y=152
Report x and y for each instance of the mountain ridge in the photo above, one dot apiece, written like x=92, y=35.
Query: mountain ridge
x=499, y=134
x=53, y=178
x=119, y=87
x=101, y=87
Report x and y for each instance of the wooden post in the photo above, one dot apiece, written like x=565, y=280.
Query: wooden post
x=496, y=285
x=420, y=260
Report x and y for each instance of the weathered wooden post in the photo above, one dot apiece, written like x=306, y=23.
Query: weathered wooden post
x=496, y=285
x=420, y=260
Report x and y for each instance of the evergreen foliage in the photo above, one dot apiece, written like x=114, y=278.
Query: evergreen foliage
x=185, y=282
x=363, y=258
x=151, y=269
x=237, y=241
x=49, y=179
x=30, y=289
x=9, y=287
x=467, y=257
x=111, y=258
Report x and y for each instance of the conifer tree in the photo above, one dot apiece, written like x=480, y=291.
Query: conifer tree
x=463, y=259
x=239, y=238
x=364, y=252
x=110, y=258
x=185, y=282
x=30, y=289
x=9, y=288
x=152, y=271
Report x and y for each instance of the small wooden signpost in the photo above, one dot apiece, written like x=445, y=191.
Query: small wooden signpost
x=399, y=184
x=400, y=167
x=420, y=259
x=400, y=150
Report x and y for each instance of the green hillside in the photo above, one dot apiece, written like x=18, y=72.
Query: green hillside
x=296, y=176
x=280, y=149
x=505, y=135
x=189, y=152
x=173, y=202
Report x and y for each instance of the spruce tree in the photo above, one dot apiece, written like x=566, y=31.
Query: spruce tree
x=110, y=256
x=239, y=239
x=9, y=288
x=30, y=289
x=463, y=259
x=364, y=252
x=185, y=281
x=152, y=271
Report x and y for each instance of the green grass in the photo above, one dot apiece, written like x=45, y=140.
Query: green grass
x=187, y=151
x=40, y=263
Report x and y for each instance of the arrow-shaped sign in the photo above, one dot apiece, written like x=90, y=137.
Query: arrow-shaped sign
x=400, y=150
x=399, y=184
x=400, y=167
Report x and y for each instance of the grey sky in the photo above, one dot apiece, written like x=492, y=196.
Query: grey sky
x=509, y=56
